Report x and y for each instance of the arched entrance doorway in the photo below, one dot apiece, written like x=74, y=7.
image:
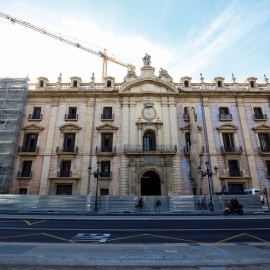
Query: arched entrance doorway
x=150, y=184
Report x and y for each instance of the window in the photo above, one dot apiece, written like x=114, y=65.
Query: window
x=219, y=83
x=105, y=169
x=185, y=83
x=252, y=84
x=26, y=169
x=69, y=142
x=149, y=141
x=72, y=113
x=64, y=190
x=75, y=83
x=36, y=113
x=107, y=113
x=65, y=169
x=104, y=191
x=23, y=191
x=106, y=142
x=224, y=110
x=258, y=113
x=264, y=141
x=234, y=170
x=109, y=83
x=30, y=143
x=228, y=142
x=41, y=83
x=268, y=168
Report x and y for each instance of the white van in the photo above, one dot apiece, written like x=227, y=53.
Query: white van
x=254, y=191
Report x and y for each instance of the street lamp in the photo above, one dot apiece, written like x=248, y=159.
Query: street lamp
x=209, y=173
x=96, y=175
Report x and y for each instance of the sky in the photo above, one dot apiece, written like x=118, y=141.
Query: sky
x=186, y=38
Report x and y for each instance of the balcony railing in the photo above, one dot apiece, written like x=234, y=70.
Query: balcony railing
x=264, y=149
x=71, y=116
x=157, y=148
x=105, y=174
x=224, y=116
x=67, y=149
x=27, y=174
x=261, y=116
x=105, y=149
x=64, y=173
x=28, y=149
x=187, y=150
x=231, y=149
x=186, y=117
x=107, y=117
x=235, y=173
x=35, y=116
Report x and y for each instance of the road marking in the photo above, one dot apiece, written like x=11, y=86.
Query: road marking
x=91, y=237
x=29, y=223
x=60, y=238
x=239, y=235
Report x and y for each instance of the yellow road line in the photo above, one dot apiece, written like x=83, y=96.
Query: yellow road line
x=125, y=237
x=29, y=223
x=60, y=238
x=238, y=235
x=19, y=235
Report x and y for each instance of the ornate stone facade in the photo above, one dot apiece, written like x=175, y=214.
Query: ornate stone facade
x=144, y=131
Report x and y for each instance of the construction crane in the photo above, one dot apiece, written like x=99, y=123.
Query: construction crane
x=49, y=33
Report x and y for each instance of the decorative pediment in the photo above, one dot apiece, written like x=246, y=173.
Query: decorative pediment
x=187, y=128
x=262, y=128
x=70, y=127
x=79, y=79
x=107, y=127
x=227, y=127
x=33, y=127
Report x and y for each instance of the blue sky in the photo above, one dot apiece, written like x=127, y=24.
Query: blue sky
x=186, y=38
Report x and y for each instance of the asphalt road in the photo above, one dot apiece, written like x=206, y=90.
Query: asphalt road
x=192, y=232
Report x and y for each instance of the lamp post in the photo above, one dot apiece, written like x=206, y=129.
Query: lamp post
x=96, y=175
x=209, y=173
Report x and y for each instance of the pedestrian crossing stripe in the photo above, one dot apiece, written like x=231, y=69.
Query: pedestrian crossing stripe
x=91, y=237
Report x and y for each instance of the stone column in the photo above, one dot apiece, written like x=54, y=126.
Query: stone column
x=125, y=122
x=48, y=149
x=247, y=140
x=85, y=180
x=132, y=122
x=217, y=185
x=173, y=122
x=166, y=122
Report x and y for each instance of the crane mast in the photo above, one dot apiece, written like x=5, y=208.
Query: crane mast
x=46, y=32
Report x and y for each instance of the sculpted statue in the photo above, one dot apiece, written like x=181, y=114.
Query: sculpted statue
x=146, y=60
x=131, y=73
x=233, y=78
x=162, y=72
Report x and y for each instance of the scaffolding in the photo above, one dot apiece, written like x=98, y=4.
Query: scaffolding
x=13, y=95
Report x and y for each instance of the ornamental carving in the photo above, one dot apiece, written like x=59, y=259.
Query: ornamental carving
x=148, y=112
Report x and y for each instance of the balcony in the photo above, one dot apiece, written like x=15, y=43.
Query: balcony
x=187, y=150
x=147, y=150
x=260, y=117
x=28, y=150
x=225, y=117
x=105, y=150
x=231, y=150
x=71, y=117
x=107, y=117
x=35, y=117
x=24, y=174
x=107, y=175
x=186, y=117
x=65, y=150
x=265, y=150
x=64, y=174
x=235, y=173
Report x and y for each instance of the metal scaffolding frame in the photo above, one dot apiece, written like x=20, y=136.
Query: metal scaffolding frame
x=13, y=95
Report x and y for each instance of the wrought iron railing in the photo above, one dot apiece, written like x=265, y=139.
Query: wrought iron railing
x=35, y=116
x=156, y=148
x=106, y=116
x=73, y=149
x=223, y=116
x=25, y=174
x=64, y=174
x=260, y=116
x=264, y=149
x=235, y=173
x=105, y=149
x=231, y=149
x=105, y=174
x=187, y=150
x=71, y=116
x=28, y=149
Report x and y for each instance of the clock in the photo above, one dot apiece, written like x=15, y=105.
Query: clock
x=149, y=113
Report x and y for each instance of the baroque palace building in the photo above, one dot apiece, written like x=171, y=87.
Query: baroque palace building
x=149, y=134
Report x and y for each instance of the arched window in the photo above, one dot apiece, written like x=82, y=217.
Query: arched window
x=109, y=83
x=41, y=83
x=75, y=83
x=149, y=141
x=219, y=84
x=252, y=85
x=185, y=83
